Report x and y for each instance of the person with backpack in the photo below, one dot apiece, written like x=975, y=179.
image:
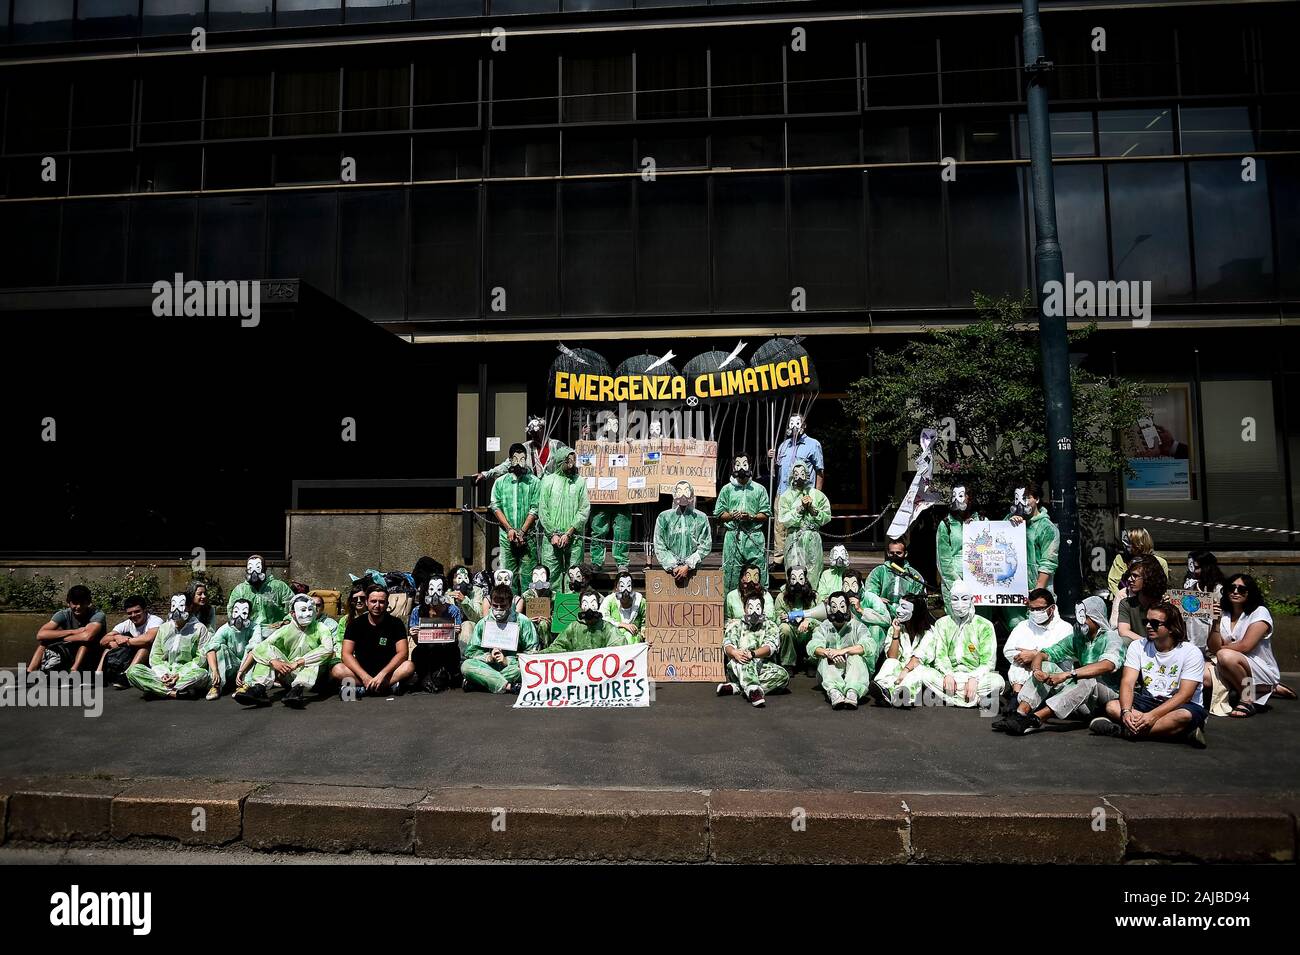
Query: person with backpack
x=63, y=642
x=128, y=643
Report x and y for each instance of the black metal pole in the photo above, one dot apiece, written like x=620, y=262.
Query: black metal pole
x=1052, y=329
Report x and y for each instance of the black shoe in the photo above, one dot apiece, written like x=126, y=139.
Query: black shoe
x=1003, y=723
x=295, y=698
x=513, y=688
x=465, y=685
x=1104, y=726
x=397, y=689
x=254, y=695
x=426, y=683
x=1025, y=724
x=186, y=694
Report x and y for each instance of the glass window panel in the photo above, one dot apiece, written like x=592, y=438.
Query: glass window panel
x=101, y=112
x=826, y=255
x=1148, y=220
x=747, y=78
x=447, y=91
x=579, y=5
x=525, y=87
x=968, y=137
x=589, y=152
x=376, y=98
x=232, y=237
x=672, y=152
x=1231, y=231
x=822, y=143
x=1069, y=46
x=525, y=154
x=750, y=261
x=94, y=243
x=1280, y=125
x=246, y=166
x=1139, y=58
x=1214, y=57
x=444, y=252
x=1071, y=135
x=597, y=88
x=170, y=170
x=238, y=14
x=673, y=245
x=1277, y=54
x=979, y=64
x=370, y=11
x=308, y=162
x=306, y=103
x=162, y=239
x=448, y=8
x=987, y=221
x=906, y=238
x=238, y=105
x=672, y=83
x=823, y=78
x=303, y=228
x=1137, y=132
x=448, y=157
x=902, y=69
x=25, y=178
x=521, y=246
x=171, y=107
x=900, y=137
x=101, y=173
x=597, y=256
x=37, y=120
x=33, y=261
x=1080, y=220
x=1216, y=129
x=669, y=3
x=372, y=240
x=172, y=16
x=104, y=18
x=1285, y=174
x=524, y=6
x=301, y=13
x=745, y=147
x=42, y=21
x=1244, y=479
x=381, y=159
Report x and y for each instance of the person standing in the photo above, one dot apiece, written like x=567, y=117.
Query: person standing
x=803, y=511
x=515, y=503
x=683, y=537
x=742, y=507
x=948, y=541
x=563, y=509
x=797, y=446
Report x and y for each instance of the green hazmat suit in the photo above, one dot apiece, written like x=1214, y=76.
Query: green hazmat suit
x=963, y=650
x=803, y=539
x=539, y=470
x=831, y=581
x=562, y=508
x=947, y=552
x=231, y=645
x=543, y=627
x=176, y=651
x=854, y=673
x=581, y=635
x=743, y=541
x=1043, y=555
x=313, y=646
x=899, y=688
x=517, y=498
x=734, y=608
x=793, y=639
x=764, y=673
x=873, y=614
x=477, y=667
x=267, y=605
x=682, y=537
x=614, y=612
x=610, y=522
x=890, y=586
x=1091, y=693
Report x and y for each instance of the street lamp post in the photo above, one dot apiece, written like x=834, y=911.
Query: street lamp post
x=1052, y=329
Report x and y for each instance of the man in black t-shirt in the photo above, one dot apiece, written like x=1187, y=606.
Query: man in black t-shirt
x=375, y=658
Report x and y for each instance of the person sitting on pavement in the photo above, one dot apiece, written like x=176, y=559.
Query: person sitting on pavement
x=492, y=655
x=1074, y=677
x=1042, y=628
x=794, y=613
x=376, y=658
x=1146, y=587
x=749, y=585
x=750, y=646
x=331, y=624
x=468, y=597
x=908, y=648
x=267, y=595
x=867, y=609
x=1241, y=640
x=204, y=612
x=128, y=643
x=963, y=669
x=541, y=589
x=845, y=651
x=437, y=664
x=230, y=647
x=1134, y=542
x=625, y=608
x=291, y=656
x=176, y=668
x=591, y=630
x=1160, y=685
x=63, y=643
x=895, y=577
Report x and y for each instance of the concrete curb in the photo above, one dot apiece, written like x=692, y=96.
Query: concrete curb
x=731, y=826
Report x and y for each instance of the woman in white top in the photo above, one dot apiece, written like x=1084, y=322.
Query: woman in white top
x=1241, y=641
x=1203, y=574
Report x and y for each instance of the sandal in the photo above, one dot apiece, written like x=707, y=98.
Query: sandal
x=1283, y=692
x=1244, y=710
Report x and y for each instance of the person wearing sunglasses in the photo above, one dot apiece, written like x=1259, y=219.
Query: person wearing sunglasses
x=1160, y=689
x=1146, y=585
x=1241, y=642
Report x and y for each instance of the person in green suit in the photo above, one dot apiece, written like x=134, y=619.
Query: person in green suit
x=895, y=577
x=796, y=609
x=749, y=585
x=963, y=668
x=832, y=578
x=844, y=651
x=803, y=511
x=177, y=669
x=1042, y=543
x=291, y=656
x=541, y=587
x=750, y=646
x=611, y=524
x=625, y=608
x=742, y=507
x=267, y=595
x=948, y=541
x=514, y=502
x=496, y=668
x=563, y=509
x=682, y=537
x=591, y=630
x=227, y=648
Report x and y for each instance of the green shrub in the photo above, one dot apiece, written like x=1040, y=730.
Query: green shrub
x=109, y=592
x=30, y=593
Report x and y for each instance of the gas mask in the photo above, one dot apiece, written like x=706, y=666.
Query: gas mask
x=519, y=462
x=851, y=585
x=740, y=469
x=799, y=474
x=304, y=611
x=240, y=614
x=625, y=592
x=570, y=465
x=963, y=604
x=656, y=429
x=179, y=609
x=1041, y=617
x=904, y=611
x=754, y=613
x=839, y=556
x=433, y=594
x=837, y=609
x=794, y=427
x=500, y=614
x=541, y=583
x=534, y=429
x=255, y=573
x=504, y=577
x=960, y=501
x=683, y=495
x=462, y=581
x=589, y=610
x=1020, y=505
x=797, y=577
x=577, y=578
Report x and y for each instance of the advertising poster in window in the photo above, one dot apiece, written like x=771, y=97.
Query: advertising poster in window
x=1159, y=447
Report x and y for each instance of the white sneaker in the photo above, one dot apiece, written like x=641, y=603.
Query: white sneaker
x=836, y=698
x=851, y=700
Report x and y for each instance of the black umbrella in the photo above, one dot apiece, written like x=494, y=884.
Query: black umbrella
x=641, y=365
x=787, y=349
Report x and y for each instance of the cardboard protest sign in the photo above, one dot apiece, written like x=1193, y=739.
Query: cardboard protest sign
x=609, y=677
x=683, y=626
x=1194, y=604
x=617, y=472
x=687, y=460
x=564, y=612
x=995, y=562
x=537, y=607
x=437, y=631
x=498, y=637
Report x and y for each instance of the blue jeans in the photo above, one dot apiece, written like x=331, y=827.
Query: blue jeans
x=1144, y=702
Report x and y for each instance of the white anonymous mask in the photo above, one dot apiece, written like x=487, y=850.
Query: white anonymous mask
x=624, y=585
x=304, y=610
x=240, y=614
x=540, y=580
x=904, y=611
x=462, y=576
x=798, y=576
x=535, y=427
x=255, y=571
x=503, y=577
x=1019, y=504
x=1192, y=567
x=794, y=426
x=590, y=604
x=179, y=608
x=963, y=604
x=519, y=461
x=656, y=429
x=754, y=611
x=575, y=575
x=741, y=466
x=1080, y=615
x=610, y=427
x=434, y=594
x=683, y=494
x=960, y=499
x=839, y=556
x=852, y=585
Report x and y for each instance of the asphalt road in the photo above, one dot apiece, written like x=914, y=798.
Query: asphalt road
x=686, y=739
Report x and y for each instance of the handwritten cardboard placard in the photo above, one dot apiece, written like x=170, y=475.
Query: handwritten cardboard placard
x=609, y=677
x=497, y=637
x=691, y=460
x=1194, y=604
x=683, y=626
x=616, y=472
x=537, y=607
